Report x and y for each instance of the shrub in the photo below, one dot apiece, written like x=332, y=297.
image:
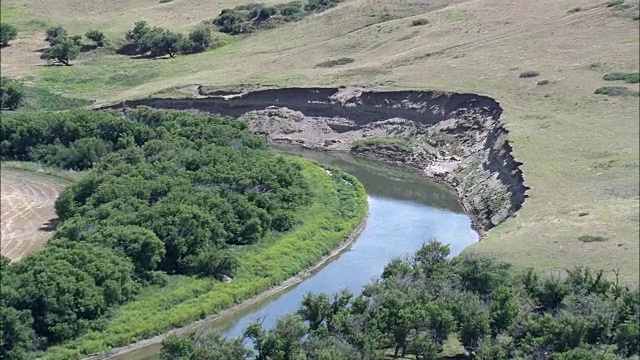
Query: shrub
x=574, y=10
x=56, y=34
x=96, y=36
x=592, y=238
x=419, y=22
x=165, y=1
x=336, y=62
x=320, y=5
x=7, y=33
x=614, y=91
x=615, y=3
x=631, y=77
x=62, y=51
x=543, y=82
x=529, y=74
x=11, y=93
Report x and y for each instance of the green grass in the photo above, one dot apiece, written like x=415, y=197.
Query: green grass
x=629, y=77
x=43, y=100
x=459, y=15
x=21, y=17
x=338, y=208
x=402, y=143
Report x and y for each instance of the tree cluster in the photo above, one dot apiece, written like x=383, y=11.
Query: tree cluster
x=251, y=17
x=64, y=47
x=145, y=40
x=11, y=93
x=418, y=304
x=168, y=192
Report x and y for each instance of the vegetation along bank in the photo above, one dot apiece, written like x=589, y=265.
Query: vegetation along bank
x=179, y=216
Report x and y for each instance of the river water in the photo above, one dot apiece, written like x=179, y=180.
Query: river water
x=405, y=210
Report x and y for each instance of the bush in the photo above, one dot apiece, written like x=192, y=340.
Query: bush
x=96, y=36
x=629, y=77
x=62, y=51
x=199, y=40
x=7, y=33
x=592, y=238
x=419, y=22
x=11, y=93
x=56, y=34
x=614, y=91
x=529, y=74
x=336, y=62
x=248, y=18
x=543, y=82
x=320, y=5
x=574, y=10
x=165, y=1
x=615, y=3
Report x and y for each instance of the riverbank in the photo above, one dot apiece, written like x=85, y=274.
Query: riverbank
x=271, y=267
x=243, y=305
x=457, y=139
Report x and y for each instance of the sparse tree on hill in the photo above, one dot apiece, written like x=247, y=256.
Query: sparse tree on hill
x=11, y=94
x=96, y=36
x=7, y=33
x=61, y=52
x=199, y=40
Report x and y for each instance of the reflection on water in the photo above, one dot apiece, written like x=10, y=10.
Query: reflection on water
x=405, y=210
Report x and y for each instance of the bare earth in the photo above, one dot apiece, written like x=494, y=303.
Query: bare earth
x=27, y=208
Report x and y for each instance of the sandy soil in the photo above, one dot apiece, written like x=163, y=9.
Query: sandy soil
x=27, y=209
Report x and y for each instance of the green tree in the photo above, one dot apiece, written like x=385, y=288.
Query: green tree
x=627, y=338
x=473, y=321
x=61, y=52
x=199, y=39
x=11, y=93
x=209, y=345
x=160, y=42
x=8, y=32
x=17, y=337
x=56, y=34
x=96, y=36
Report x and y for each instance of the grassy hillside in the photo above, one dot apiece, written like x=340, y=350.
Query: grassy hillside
x=580, y=150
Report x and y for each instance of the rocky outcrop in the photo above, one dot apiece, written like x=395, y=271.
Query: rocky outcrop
x=455, y=138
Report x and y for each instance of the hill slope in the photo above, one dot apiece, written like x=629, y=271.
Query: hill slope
x=580, y=150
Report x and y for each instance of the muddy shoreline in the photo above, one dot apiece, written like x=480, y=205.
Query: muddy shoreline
x=193, y=326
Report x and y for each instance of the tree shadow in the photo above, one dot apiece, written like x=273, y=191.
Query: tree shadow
x=50, y=225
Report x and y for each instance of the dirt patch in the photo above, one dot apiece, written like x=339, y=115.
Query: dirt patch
x=27, y=212
x=457, y=139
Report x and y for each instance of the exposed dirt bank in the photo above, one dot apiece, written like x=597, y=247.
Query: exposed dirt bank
x=454, y=138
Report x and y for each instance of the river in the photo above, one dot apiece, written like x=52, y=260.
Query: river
x=405, y=210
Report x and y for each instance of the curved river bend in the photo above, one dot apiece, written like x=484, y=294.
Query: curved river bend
x=405, y=210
